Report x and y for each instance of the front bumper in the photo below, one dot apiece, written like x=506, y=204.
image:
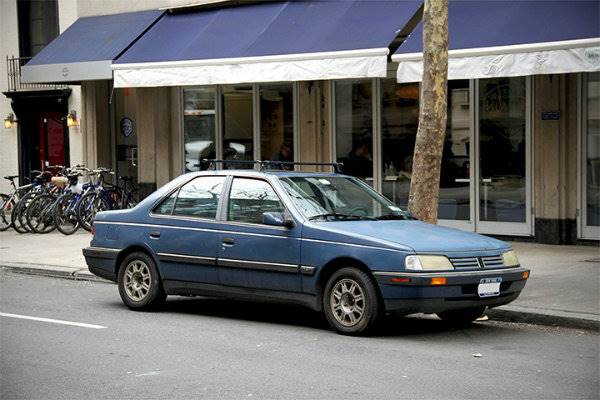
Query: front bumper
x=414, y=293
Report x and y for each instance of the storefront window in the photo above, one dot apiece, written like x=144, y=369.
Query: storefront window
x=277, y=122
x=592, y=147
x=502, y=153
x=198, y=126
x=237, y=125
x=454, y=202
x=399, y=122
x=354, y=127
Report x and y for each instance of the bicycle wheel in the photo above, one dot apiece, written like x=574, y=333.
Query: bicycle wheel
x=20, y=223
x=89, y=205
x=39, y=214
x=65, y=215
x=17, y=226
x=6, y=207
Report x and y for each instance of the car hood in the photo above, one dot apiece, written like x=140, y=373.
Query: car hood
x=417, y=235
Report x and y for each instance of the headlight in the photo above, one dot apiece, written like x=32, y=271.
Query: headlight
x=510, y=259
x=427, y=263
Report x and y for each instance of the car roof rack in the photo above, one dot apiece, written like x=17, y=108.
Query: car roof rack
x=270, y=164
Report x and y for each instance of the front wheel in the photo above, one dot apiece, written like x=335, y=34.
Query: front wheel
x=6, y=208
x=463, y=316
x=89, y=205
x=139, y=282
x=351, y=301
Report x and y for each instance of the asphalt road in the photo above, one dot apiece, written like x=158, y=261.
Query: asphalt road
x=207, y=348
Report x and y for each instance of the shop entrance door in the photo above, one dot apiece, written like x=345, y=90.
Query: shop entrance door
x=485, y=180
x=52, y=139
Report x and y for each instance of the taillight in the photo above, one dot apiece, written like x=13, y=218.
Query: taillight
x=93, y=230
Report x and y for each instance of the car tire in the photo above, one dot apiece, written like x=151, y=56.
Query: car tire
x=139, y=282
x=351, y=302
x=461, y=317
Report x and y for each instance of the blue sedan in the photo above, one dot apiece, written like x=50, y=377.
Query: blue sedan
x=325, y=240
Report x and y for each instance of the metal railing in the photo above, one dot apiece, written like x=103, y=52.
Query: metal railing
x=13, y=74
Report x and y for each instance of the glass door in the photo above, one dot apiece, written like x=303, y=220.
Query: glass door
x=455, y=209
x=590, y=161
x=503, y=177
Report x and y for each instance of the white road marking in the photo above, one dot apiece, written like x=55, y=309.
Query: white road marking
x=53, y=321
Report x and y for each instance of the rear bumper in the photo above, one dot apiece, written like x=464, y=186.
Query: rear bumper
x=418, y=295
x=101, y=261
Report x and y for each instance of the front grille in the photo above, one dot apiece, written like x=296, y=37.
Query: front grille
x=473, y=262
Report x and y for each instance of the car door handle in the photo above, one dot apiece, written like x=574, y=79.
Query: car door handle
x=154, y=234
x=228, y=241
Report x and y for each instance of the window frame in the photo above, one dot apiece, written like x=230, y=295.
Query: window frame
x=177, y=190
x=224, y=215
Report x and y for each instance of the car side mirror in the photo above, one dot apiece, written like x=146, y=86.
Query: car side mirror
x=277, y=219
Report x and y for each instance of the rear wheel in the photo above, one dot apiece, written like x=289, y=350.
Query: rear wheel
x=139, y=282
x=351, y=302
x=39, y=215
x=463, y=316
x=89, y=205
x=65, y=214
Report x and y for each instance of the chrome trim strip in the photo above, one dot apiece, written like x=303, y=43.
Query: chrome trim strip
x=448, y=273
x=187, y=258
x=215, y=221
x=307, y=270
x=110, y=249
x=260, y=265
x=194, y=229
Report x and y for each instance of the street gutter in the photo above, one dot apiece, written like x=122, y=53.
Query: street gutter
x=508, y=313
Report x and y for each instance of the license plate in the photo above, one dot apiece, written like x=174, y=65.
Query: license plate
x=489, y=287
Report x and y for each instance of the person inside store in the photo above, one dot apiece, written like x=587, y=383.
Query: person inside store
x=359, y=162
x=284, y=154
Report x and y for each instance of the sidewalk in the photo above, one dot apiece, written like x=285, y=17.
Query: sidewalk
x=564, y=287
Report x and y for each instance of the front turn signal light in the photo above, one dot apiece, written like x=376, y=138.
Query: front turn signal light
x=525, y=275
x=438, y=280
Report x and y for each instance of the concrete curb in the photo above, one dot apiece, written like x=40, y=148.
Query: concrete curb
x=505, y=313
x=53, y=271
x=576, y=321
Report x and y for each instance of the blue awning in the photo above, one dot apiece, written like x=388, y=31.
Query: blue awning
x=86, y=50
x=273, y=41
x=511, y=38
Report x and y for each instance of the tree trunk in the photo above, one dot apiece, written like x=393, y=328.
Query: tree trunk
x=425, y=181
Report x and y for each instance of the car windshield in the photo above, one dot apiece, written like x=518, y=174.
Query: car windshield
x=340, y=198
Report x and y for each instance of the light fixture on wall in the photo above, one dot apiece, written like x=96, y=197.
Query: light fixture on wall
x=10, y=121
x=72, y=118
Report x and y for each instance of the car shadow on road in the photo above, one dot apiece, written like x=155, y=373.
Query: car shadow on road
x=294, y=315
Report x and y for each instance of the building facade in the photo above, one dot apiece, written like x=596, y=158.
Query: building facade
x=521, y=157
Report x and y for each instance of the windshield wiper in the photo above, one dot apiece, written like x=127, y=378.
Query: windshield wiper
x=341, y=216
x=391, y=216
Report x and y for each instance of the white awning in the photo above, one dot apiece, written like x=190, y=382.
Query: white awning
x=505, y=61
x=367, y=63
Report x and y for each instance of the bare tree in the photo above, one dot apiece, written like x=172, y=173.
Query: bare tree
x=425, y=182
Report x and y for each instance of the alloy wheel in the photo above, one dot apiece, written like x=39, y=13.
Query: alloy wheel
x=347, y=302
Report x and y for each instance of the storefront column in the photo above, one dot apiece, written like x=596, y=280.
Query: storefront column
x=314, y=131
x=555, y=158
x=95, y=124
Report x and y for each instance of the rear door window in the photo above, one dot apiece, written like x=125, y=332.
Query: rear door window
x=200, y=197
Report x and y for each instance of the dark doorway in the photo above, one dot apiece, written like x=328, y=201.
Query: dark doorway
x=43, y=133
